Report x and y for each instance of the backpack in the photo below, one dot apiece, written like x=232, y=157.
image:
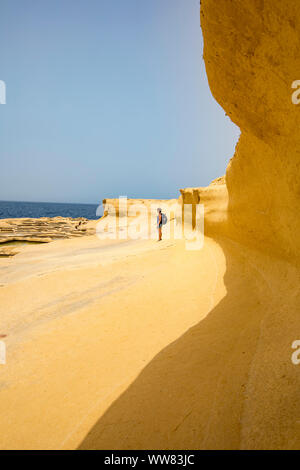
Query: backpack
x=164, y=219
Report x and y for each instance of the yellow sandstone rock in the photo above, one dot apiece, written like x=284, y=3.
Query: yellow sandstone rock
x=251, y=53
x=145, y=345
x=42, y=230
x=229, y=382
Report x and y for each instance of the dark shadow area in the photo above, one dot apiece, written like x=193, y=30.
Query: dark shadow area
x=192, y=395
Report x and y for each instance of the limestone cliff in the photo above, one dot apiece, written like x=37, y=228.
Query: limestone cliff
x=251, y=53
x=150, y=205
x=215, y=200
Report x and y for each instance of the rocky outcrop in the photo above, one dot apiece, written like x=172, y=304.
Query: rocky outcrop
x=251, y=53
x=7, y=251
x=215, y=200
x=151, y=205
x=42, y=230
x=134, y=218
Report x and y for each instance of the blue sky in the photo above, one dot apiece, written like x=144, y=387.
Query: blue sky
x=106, y=98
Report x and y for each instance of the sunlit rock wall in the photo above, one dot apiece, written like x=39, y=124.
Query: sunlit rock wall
x=252, y=57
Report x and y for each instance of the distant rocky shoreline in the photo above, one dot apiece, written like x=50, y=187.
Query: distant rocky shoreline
x=40, y=230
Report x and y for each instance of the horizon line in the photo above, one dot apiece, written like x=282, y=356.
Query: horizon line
x=53, y=202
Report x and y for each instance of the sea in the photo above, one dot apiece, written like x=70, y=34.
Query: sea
x=14, y=209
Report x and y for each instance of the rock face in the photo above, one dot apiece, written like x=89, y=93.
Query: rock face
x=6, y=251
x=42, y=230
x=141, y=217
x=251, y=53
x=215, y=200
x=150, y=205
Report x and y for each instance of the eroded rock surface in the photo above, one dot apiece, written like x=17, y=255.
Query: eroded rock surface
x=251, y=53
x=42, y=230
